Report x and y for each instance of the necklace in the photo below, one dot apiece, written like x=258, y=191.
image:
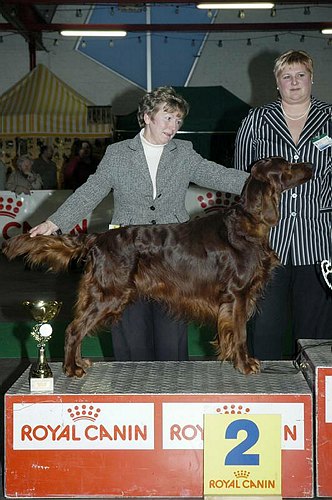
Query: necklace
x=291, y=117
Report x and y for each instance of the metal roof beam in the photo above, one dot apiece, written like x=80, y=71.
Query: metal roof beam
x=142, y=2
x=193, y=28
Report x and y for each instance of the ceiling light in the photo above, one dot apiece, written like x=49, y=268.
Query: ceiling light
x=240, y=6
x=93, y=33
x=327, y=31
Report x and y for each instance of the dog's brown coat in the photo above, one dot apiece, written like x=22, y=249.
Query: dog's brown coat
x=211, y=269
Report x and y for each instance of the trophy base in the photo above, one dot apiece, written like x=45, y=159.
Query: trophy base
x=41, y=384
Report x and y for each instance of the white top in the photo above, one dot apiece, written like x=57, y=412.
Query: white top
x=152, y=154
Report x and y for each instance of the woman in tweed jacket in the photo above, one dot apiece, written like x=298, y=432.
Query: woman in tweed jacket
x=297, y=127
x=149, y=176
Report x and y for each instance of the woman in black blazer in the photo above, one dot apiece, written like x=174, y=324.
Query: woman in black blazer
x=297, y=127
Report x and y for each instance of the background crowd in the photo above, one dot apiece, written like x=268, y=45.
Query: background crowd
x=42, y=172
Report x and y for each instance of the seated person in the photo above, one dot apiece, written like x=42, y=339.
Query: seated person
x=23, y=179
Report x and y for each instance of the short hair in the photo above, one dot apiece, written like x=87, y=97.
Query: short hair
x=21, y=159
x=78, y=145
x=293, y=57
x=161, y=98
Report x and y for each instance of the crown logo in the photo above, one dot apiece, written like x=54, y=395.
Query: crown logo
x=84, y=412
x=233, y=410
x=9, y=208
x=244, y=474
x=211, y=202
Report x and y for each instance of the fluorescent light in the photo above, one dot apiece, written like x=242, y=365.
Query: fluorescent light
x=240, y=6
x=108, y=33
x=327, y=31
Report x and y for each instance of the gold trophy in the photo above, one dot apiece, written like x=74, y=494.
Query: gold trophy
x=41, y=377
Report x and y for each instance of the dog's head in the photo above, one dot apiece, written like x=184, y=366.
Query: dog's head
x=268, y=179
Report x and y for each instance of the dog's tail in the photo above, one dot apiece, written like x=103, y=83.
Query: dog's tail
x=55, y=251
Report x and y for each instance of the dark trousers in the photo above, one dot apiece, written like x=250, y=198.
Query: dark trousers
x=296, y=297
x=146, y=332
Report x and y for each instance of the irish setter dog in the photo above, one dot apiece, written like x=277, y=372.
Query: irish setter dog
x=210, y=269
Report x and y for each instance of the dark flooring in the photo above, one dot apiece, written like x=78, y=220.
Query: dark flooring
x=18, y=284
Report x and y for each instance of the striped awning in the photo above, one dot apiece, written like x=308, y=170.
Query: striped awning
x=42, y=105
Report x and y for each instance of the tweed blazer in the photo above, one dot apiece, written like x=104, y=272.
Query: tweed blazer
x=304, y=232
x=125, y=171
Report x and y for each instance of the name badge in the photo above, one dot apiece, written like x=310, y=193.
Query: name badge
x=322, y=142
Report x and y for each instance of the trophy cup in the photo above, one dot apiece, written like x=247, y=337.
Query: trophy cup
x=41, y=377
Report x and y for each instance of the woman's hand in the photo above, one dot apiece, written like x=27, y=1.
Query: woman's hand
x=46, y=228
x=21, y=190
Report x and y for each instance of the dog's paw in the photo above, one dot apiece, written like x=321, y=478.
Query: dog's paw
x=249, y=367
x=73, y=371
x=255, y=366
x=84, y=363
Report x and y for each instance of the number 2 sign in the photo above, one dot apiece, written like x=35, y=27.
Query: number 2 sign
x=242, y=455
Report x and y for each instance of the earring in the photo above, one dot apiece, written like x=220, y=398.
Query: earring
x=277, y=88
x=312, y=83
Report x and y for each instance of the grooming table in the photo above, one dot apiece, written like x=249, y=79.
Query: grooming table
x=136, y=428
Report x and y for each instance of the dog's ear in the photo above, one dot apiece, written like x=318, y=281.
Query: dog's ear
x=261, y=200
x=269, y=179
x=270, y=206
x=252, y=196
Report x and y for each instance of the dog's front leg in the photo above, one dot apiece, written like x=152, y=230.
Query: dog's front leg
x=232, y=337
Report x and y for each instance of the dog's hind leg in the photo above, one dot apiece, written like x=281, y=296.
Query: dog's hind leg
x=94, y=308
x=89, y=321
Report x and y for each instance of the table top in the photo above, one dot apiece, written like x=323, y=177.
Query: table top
x=173, y=377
